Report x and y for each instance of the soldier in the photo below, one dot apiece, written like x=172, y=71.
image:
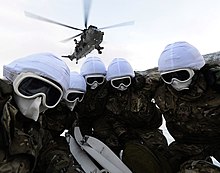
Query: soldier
x=134, y=118
x=189, y=99
x=93, y=104
x=56, y=157
x=33, y=84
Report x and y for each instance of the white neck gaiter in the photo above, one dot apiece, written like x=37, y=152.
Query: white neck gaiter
x=30, y=108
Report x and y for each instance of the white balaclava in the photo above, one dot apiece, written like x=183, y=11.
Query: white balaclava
x=180, y=55
x=77, y=83
x=43, y=64
x=119, y=67
x=93, y=66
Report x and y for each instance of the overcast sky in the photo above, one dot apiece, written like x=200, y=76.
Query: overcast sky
x=157, y=23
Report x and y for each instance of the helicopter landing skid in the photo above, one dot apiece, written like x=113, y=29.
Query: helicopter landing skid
x=71, y=57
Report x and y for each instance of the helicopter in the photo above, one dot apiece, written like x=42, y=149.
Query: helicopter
x=90, y=38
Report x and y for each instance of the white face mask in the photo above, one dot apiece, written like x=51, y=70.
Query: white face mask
x=94, y=85
x=122, y=87
x=71, y=105
x=30, y=108
x=179, y=86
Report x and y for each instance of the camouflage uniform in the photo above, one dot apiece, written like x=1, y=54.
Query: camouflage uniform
x=134, y=121
x=56, y=156
x=91, y=108
x=20, y=138
x=192, y=117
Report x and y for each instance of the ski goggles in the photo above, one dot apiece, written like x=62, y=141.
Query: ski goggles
x=181, y=75
x=30, y=85
x=73, y=95
x=91, y=79
x=117, y=82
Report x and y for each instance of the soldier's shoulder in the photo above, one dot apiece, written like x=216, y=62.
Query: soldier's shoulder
x=152, y=73
x=211, y=72
x=5, y=87
x=151, y=78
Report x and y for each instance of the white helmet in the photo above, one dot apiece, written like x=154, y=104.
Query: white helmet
x=43, y=64
x=180, y=55
x=77, y=82
x=119, y=67
x=93, y=65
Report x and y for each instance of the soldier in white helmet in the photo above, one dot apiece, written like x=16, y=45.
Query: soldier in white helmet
x=93, y=104
x=33, y=84
x=189, y=98
x=56, y=157
x=135, y=119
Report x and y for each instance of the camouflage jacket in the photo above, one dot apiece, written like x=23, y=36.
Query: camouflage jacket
x=132, y=114
x=193, y=117
x=55, y=155
x=19, y=136
x=58, y=119
x=134, y=107
x=91, y=108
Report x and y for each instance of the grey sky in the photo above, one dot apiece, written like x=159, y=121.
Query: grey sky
x=157, y=23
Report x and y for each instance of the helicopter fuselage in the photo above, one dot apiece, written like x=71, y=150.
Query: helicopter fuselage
x=92, y=35
x=90, y=40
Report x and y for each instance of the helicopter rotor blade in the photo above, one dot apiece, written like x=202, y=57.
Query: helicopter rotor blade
x=87, y=5
x=28, y=14
x=70, y=38
x=118, y=25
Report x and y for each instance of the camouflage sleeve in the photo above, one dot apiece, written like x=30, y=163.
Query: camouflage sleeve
x=6, y=91
x=121, y=130
x=152, y=81
x=216, y=73
x=56, y=157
